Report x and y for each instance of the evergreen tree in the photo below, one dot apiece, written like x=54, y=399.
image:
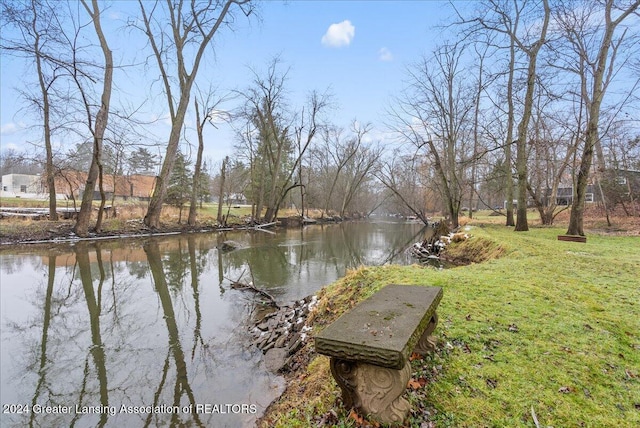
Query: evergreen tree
x=179, y=187
x=142, y=161
x=204, y=185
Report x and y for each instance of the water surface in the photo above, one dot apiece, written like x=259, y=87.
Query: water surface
x=148, y=332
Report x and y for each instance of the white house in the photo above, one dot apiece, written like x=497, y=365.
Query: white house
x=24, y=186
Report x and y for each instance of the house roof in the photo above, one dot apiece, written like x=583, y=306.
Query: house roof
x=135, y=185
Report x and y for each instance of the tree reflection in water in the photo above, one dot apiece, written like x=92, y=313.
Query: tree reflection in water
x=46, y=319
x=94, y=307
x=181, y=386
x=154, y=322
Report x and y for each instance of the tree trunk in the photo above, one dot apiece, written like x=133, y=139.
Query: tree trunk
x=446, y=192
x=84, y=216
x=196, y=174
x=51, y=183
x=302, y=190
x=152, y=218
x=272, y=207
x=476, y=139
x=81, y=227
x=223, y=177
x=510, y=221
x=102, y=197
x=603, y=196
x=178, y=23
x=521, y=144
x=576, y=220
x=260, y=201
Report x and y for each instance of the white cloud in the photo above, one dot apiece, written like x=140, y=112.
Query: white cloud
x=338, y=35
x=11, y=128
x=10, y=146
x=376, y=135
x=385, y=54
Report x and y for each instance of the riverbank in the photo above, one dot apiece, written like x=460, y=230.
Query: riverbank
x=129, y=223
x=545, y=335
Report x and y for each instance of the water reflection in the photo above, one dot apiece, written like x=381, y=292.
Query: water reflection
x=148, y=333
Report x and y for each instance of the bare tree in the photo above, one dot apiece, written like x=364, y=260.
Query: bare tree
x=352, y=164
x=38, y=35
x=358, y=173
x=531, y=51
x=591, y=33
x=221, y=187
x=408, y=178
x=481, y=50
x=552, y=148
x=433, y=115
x=210, y=102
x=185, y=27
x=272, y=131
x=335, y=153
x=98, y=130
x=505, y=17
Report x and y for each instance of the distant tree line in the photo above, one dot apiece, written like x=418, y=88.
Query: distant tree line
x=523, y=100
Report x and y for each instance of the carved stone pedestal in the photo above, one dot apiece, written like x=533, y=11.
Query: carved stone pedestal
x=371, y=345
x=427, y=343
x=373, y=390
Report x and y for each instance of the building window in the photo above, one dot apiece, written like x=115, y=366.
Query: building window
x=23, y=188
x=588, y=197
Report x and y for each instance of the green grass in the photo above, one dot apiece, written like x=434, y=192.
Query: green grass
x=550, y=325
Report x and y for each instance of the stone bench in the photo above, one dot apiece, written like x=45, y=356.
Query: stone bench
x=370, y=346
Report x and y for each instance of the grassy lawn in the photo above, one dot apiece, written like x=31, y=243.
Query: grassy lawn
x=550, y=328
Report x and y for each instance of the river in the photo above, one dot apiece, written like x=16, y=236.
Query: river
x=148, y=332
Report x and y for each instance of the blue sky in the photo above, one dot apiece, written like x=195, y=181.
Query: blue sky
x=359, y=50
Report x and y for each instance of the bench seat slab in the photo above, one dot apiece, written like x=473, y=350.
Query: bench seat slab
x=384, y=329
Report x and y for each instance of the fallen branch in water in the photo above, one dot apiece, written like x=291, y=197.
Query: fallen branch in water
x=238, y=285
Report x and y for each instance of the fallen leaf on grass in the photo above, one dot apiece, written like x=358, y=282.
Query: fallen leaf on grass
x=413, y=384
x=361, y=422
x=328, y=419
x=356, y=417
x=514, y=328
x=565, y=389
x=415, y=356
x=417, y=383
x=492, y=383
